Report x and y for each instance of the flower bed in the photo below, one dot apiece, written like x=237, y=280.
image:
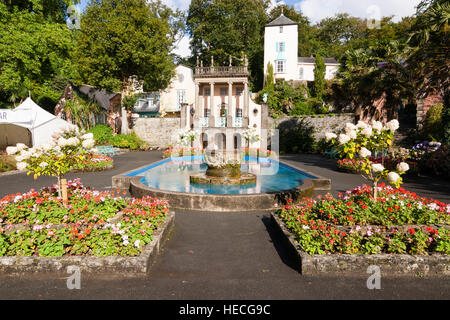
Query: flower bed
x=7, y=162
x=399, y=222
x=95, y=162
x=93, y=224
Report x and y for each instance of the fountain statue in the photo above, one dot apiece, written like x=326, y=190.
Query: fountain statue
x=223, y=168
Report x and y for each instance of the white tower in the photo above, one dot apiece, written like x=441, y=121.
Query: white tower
x=281, y=48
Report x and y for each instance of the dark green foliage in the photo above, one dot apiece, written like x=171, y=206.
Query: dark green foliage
x=296, y=137
x=123, y=38
x=439, y=162
x=319, y=77
x=446, y=119
x=433, y=128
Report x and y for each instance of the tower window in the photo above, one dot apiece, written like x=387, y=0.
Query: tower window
x=281, y=29
x=301, y=73
x=280, y=65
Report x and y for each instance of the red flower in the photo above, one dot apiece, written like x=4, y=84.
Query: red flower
x=412, y=231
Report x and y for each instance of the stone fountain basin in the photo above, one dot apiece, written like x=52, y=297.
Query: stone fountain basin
x=244, y=178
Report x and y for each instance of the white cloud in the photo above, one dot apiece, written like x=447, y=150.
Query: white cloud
x=316, y=10
x=183, y=47
x=177, y=4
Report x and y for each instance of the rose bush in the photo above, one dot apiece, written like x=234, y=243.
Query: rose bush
x=398, y=222
x=35, y=223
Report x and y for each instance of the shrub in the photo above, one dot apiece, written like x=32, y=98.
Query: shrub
x=439, y=162
x=102, y=133
x=129, y=141
x=297, y=139
x=7, y=163
x=433, y=123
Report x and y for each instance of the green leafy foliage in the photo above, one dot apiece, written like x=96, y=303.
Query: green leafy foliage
x=129, y=141
x=433, y=127
x=118, y=39
x=102, y=133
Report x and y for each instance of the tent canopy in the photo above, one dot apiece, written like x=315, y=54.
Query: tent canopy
x=41, y=123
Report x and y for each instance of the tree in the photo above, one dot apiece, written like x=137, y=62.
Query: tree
x=270, y=81
x=35, y=46
x=221, y=28
x=123, y=38
x=319, y=77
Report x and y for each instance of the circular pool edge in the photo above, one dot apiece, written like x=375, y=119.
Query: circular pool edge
x=223, y=202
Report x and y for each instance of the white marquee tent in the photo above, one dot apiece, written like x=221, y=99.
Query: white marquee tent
x=40, y=123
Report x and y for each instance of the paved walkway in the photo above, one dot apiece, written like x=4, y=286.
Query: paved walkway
x=224, y=255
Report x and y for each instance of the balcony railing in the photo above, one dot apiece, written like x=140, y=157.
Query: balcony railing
x=225, y=71
x=221, y=122
x=237, y=122
x=204, y=122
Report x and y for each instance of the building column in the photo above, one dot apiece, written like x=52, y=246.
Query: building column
x=212, y=116
x=197, y=91
x=246, y=99
x=230, y=114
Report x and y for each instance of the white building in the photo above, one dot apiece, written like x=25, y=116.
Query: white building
x=281, y=50
x=180, y=91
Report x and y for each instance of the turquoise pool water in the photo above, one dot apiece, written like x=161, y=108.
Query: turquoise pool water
x=173, y=175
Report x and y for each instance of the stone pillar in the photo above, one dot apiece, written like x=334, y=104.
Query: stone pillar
x=246, y=107
x=212, y=116
x=230, y=114
x=184, y=115
x=196, y=105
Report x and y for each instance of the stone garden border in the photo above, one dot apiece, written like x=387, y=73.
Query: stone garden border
x=357, y=264
x=220, y=202
x=111, y=265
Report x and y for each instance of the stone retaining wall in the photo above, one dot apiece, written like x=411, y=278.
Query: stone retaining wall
x=357, y=264
x=320, y=124
x=157, y=132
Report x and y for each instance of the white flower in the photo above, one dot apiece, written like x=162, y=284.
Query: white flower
x=73, y=141
x=62, y=142
x=392, y=125
x=21, y=146
x=136, y=243
x=377, y=167
x=361, y=124
x=402, y=167
x=87, y=136
x=350, y=126
x=11, y=150
x=88, y=144
x=21, y=165
x=43, y=165
x=364, y=153
x=47, y=147
x=352, y=134
x=367, y=131
x=125, y=242
x=377, y=125
x=393, y=177
x=343, y=138
x=330, y=135
x=305, y=227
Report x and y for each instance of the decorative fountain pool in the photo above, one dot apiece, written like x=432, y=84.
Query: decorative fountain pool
x=222, y=182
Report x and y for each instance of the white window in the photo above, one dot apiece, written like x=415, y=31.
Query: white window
x=280, y=66
x=281, y=29
x=181, y=98
x=300, y=76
